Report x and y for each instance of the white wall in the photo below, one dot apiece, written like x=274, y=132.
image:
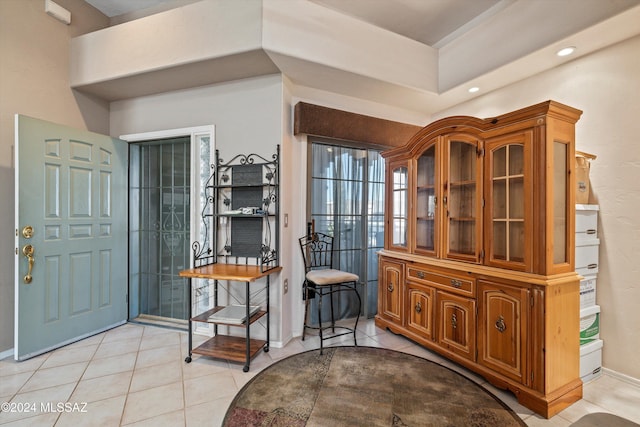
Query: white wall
x=248, y=118
x=247, y=113
x=606, y=86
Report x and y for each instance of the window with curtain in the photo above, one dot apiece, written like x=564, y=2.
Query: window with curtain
x=347, y=202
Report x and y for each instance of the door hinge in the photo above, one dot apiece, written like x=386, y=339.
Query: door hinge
x=483, y=202
x=532, y=377
x=482, y=255
x=480, y=151
x=532, y=299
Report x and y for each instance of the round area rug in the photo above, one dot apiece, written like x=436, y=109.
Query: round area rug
x=364, y=386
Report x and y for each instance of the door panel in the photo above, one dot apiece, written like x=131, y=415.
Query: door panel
x=420, y=310
x=502, y=335
x=391, y=286
x=71, y=188
x=456, y=317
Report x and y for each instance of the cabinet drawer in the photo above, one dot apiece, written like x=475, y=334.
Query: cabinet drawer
x=454, y=284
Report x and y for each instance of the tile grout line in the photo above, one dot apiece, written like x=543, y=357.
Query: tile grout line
x=133, y=372
x=82, y=375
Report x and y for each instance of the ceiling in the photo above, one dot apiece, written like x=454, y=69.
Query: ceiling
x=432, y=22
x=484, y=43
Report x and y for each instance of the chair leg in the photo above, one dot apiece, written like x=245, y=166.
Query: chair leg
x=320, y=320
x=333, y=319
x=355, y=288
x=306, y=315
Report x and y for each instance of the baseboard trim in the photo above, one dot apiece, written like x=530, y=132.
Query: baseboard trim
x=621, y=377
x=6, y=353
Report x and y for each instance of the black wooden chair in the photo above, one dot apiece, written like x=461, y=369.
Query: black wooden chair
x=322, y=279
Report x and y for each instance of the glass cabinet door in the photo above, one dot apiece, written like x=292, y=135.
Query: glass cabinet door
x=462, y=198
x=561, y=238
x=508, y=190
x=426, y=202
x=399, y=181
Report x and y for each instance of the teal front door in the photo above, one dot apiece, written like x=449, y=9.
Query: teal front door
x=71, y=235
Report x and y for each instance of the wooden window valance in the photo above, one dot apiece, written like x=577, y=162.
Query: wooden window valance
x=326, y=122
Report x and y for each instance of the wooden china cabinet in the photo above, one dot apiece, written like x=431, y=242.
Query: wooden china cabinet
x=478, y=263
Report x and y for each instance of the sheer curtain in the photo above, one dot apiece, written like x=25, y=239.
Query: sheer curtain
x=347, y=202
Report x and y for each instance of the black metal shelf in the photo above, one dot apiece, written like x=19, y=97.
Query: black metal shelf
x=247, y=181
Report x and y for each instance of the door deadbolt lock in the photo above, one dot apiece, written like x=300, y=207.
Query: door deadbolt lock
x=27, y=232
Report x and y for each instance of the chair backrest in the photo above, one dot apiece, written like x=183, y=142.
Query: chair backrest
x=317, y=251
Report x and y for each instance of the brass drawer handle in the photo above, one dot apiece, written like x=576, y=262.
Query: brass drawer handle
x=500, y=325
x=418, y=308
x=420, y=274
x=390, y=287
x=456, y=283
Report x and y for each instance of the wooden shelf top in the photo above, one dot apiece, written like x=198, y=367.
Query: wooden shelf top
x=236, y=272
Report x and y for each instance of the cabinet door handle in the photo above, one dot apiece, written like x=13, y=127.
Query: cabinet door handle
x=454, y=321
x=420, y=274
x=456, y=283
x=500, y=325
x=591, y=231
x=418, y=307
x=592, y=266
x=390, y=287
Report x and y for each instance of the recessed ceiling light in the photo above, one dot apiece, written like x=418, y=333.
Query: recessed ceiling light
x=566, y=51
x=474, y=89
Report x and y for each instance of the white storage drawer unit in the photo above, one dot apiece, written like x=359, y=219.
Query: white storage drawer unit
x=589, y=324
x=587, y=256
x=591, y=360
x=588, y=291
x=586, y=222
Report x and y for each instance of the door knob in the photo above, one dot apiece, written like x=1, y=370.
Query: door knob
x=28, y=252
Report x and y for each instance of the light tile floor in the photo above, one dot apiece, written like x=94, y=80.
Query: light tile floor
x=135, y=375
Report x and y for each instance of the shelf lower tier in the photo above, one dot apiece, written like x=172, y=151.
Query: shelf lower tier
x=230, y=348
x=204, y=317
